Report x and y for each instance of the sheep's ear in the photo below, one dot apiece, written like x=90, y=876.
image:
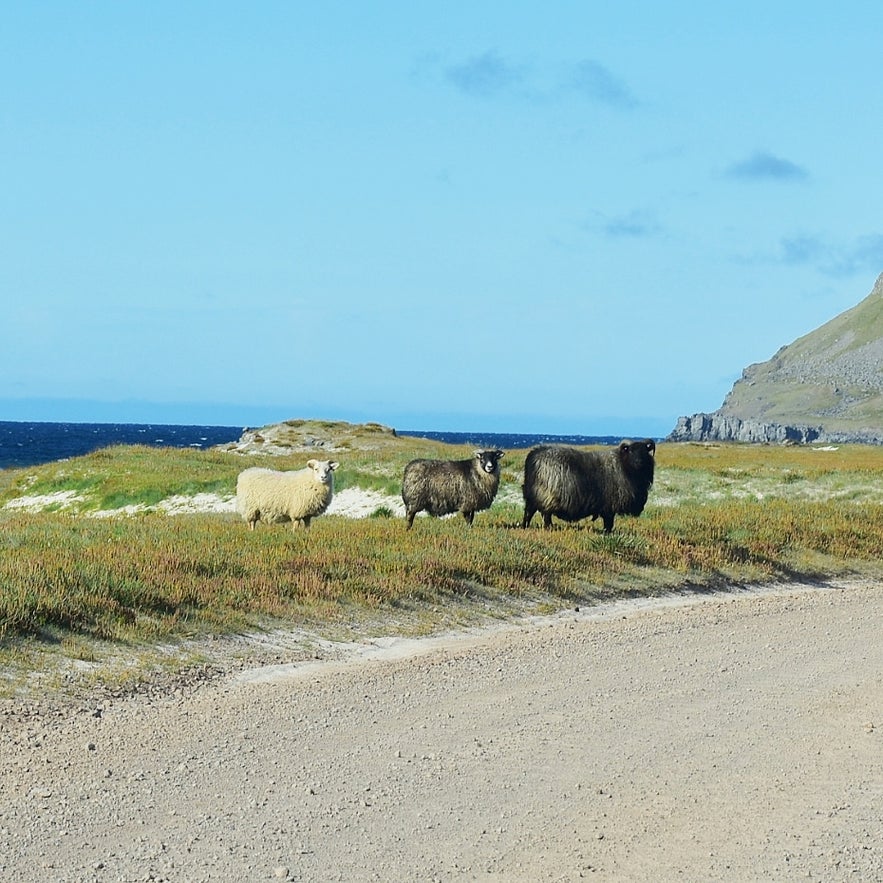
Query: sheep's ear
x=334, y=464
x=478, y=454
x=312, y=463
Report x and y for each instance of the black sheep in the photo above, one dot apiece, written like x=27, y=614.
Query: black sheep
x=573, y=484
x=443, y=486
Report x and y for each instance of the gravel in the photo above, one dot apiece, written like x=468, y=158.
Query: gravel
x=713, y=737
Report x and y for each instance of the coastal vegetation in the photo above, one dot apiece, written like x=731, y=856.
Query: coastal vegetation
x=90, y=586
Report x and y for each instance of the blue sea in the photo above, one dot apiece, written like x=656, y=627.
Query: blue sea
x=29, y=444
x=508, y=440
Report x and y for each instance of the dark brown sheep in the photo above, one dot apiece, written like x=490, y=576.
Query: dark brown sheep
x=572, y=484
x=440, y=487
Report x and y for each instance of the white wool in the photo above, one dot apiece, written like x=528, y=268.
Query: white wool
x=296, y=496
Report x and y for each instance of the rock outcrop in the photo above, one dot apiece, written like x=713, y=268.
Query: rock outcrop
x=309, y=436
x=720, y=427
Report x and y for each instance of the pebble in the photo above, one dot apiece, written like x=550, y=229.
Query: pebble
x=225, y=813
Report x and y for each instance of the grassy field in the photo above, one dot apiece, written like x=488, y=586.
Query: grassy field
x=85, y=587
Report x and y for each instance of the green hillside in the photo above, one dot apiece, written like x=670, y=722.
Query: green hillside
x=831, y=377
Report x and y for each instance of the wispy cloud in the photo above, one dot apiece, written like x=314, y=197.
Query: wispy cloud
x=491, y=75
x=867, y=252
x=596, y=82
x=834, y=259
x=486, y=75
x=634, y=225
x=764, y=166
x=802, y=250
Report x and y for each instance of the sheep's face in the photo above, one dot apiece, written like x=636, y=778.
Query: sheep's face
x=637, y=457
x=323, y=469
x=489, y=460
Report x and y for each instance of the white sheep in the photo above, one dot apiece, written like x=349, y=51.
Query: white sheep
x=296, y=496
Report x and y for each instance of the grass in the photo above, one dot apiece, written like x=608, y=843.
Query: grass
x=89, y=587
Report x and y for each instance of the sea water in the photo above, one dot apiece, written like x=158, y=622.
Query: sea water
x=29, y=444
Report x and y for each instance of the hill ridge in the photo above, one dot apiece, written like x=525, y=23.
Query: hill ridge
x=825, y=386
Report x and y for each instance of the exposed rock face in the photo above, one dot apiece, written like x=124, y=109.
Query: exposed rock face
x=719, y=427
x=300, y=436
x=826, y=386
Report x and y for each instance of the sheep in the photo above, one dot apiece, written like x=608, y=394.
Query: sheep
x=574, y=484
x=443, y=486
x=295, y=496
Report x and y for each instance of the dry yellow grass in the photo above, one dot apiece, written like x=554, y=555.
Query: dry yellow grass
x=716, y=515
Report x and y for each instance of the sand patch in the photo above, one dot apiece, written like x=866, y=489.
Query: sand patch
x=352, y=502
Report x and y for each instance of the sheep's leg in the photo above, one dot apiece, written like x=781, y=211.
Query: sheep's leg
x=469, y=516
x=547, y=520
x=529, y=512
x=608, y=521
x=305, y=522
x=410, y=519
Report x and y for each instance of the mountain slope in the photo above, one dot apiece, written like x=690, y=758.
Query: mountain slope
x=826, y=385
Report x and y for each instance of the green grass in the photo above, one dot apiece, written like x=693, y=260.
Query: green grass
x=717, y=515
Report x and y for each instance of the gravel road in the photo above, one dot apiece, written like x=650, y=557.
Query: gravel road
x=727, y=737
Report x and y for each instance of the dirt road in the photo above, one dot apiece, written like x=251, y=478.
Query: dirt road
x=720, y=738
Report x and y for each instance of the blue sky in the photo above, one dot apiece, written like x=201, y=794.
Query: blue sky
x=571, y=217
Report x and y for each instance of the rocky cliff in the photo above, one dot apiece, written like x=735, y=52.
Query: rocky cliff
x=720, y=427
x=826, y=386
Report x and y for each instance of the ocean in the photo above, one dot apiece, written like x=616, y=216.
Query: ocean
x=509, y=440
x=30, y=444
